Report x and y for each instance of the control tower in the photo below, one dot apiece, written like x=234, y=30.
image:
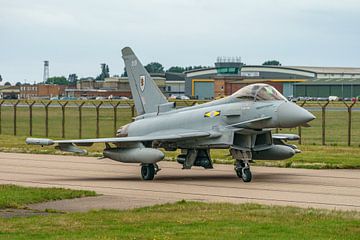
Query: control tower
x=46, y=71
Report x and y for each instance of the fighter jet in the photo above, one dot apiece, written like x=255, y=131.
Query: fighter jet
x=241, y=123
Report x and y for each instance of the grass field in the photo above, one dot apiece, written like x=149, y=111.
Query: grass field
x=71, y=121
x=188, y=220
x=12, y=196
x=336, y=129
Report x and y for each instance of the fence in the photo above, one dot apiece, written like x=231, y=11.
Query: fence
x=337, y=123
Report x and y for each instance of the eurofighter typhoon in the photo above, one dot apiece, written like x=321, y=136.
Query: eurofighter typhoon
x=241, y=123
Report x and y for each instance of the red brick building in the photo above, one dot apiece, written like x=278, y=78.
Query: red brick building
x=28, y=91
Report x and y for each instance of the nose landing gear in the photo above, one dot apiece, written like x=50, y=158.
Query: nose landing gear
x=242, y=167
x=242, y=170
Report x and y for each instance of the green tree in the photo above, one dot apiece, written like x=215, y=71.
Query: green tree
x=176, y=69
x=125, y=73
x=7, y=84
x=272, y=63
x=1, y=78
x=105, y=72
x=200, y=67
x=18, y=84
x=73, y=78
x=179, y=69
x=154, y=67
x=195, y=67
x=57, y=80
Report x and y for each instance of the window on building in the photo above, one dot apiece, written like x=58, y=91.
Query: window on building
x=228, y=70
x=232, y=70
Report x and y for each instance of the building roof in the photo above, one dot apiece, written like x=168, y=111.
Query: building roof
x=309, y=69
x=9, y=87
x=171, y=76
x=94, y=90
x=199, y=70
x=278, y=69
x=334, y=81
x=338, y=70
x=253, y=68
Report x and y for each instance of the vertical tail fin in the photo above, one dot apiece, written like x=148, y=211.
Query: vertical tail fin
x=146, y=94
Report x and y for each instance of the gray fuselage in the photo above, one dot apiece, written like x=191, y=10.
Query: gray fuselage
x=231, y=111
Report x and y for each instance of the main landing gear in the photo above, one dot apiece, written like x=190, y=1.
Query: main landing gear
x=148, y=171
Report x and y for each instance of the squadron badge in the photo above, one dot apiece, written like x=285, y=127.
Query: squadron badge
x=142, y=83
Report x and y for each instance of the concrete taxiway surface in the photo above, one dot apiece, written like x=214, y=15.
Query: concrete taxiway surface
x=122, y=187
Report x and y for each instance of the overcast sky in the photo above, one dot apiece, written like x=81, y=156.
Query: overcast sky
x=77, y=35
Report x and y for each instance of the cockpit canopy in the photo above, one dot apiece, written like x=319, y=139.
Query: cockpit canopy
x=258, y=92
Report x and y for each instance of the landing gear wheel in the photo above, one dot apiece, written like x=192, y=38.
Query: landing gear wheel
x=148, y=172
x=239, y=172
x=246, y=174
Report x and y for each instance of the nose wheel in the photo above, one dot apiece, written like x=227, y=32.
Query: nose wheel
x=246, y=175
x=242, y=170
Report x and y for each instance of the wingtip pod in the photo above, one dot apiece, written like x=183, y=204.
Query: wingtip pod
x=127, y=51
x=39, y=141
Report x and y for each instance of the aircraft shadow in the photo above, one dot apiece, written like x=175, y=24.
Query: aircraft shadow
x=260, y=177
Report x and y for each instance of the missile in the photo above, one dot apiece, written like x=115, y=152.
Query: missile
x=134, y=155
x=39, y=141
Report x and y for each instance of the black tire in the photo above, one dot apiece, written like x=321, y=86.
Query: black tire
x=246, y=175
x=148, y=172
x=239, y=172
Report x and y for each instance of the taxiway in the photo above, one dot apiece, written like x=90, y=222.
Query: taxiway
x=121, y=184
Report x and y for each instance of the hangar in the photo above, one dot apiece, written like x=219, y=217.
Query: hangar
x=330, y=81
x=230, y=74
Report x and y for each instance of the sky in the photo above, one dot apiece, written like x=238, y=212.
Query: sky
x=77, y=35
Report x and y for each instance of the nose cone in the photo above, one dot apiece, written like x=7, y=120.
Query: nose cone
x=291, y=115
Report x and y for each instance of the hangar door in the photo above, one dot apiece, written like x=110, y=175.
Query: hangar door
x=288, y=89
x=203, y=89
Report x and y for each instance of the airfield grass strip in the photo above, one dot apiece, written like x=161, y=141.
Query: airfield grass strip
x=12, y=196
x=188, y=220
